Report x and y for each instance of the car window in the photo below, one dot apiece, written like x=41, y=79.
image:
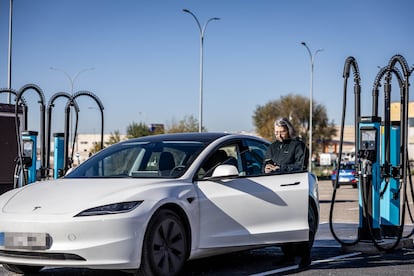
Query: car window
x=253, y=157
x=348, y=166
x=224, y=155
x=116, y=164
x=161, y=159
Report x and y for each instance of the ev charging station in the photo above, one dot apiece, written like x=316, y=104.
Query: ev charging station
x=8, y=141
x=382, y=161
x=27, y=144
x=29, y=139
x=58, y=154
x=369, y=171
x=390, y=200
x=62, y=157
x=31, y=161
x=68, y=158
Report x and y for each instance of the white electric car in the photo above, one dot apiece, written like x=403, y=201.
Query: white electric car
x=147, y=205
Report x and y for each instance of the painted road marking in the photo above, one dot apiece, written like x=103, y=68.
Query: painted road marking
x=293, y=267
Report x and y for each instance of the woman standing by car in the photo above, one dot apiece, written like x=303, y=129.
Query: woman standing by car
x=288, y=153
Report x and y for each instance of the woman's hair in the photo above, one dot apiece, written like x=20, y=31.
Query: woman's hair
x=284, y=122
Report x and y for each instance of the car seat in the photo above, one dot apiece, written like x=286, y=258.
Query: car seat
x=166, y=163
x=213, y=161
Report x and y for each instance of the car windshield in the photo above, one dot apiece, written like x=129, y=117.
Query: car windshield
x=167, y=159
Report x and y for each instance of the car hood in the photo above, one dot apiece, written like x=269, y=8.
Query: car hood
x=71, y=196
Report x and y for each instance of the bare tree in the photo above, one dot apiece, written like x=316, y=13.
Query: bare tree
x=135, y=130
x=114, y=138
x=188, y=124
x=296, y=109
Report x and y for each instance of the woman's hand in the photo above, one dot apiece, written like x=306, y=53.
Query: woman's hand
x=271, y=168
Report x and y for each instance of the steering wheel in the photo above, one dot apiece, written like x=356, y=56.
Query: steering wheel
x=176, y=170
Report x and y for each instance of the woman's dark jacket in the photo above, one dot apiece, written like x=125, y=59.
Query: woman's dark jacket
x=290, y=155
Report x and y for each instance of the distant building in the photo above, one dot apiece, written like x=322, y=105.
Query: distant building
x=395, y=116
x=348, y=140
x=86, y=142
x=349, y=133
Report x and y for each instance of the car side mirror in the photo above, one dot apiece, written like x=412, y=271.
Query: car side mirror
x=225, y=170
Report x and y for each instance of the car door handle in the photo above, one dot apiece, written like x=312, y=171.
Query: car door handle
x=290, y=184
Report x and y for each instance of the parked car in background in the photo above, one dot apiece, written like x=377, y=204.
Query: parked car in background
x=147, y=205
x=347, y=175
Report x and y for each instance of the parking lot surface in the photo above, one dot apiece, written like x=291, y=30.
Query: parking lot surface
x=328, y=256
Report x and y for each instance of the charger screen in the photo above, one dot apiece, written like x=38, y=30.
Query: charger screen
x=368, y=139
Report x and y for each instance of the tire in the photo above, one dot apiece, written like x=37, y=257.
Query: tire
x=165, y=247
x=22, y=269
x=302, y=249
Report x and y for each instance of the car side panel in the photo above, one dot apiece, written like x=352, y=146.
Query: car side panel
x=257, y=210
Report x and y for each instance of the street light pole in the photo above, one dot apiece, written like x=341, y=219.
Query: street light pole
x=10, y=50
x=202, y=31
x=312, y=59
x=71, y=80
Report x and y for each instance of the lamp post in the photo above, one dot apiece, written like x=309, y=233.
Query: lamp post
x=312, y=59
x=72, y=82
x=202, y=31
x=71, y=79
x=10, y=50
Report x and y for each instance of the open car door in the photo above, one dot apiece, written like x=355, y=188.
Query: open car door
x=264, y=209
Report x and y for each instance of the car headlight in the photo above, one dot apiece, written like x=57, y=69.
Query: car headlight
x=110, y=209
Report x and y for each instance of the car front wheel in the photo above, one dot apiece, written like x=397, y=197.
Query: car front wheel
x=165, y=247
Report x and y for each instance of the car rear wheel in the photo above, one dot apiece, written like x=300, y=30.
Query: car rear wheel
x=303, y=249
x=165, y=248
x=22, y=269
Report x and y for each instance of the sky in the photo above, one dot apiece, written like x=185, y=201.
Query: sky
x=141, y=57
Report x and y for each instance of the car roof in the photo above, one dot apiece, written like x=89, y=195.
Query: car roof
x=187, y=136
x=204, y=137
